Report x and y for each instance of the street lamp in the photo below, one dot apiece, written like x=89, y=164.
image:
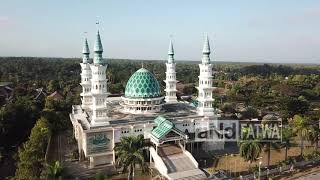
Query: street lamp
x=260, y=169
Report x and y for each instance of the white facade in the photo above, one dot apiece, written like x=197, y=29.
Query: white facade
x=86, y=100
x=142, y=105
x=171, y=81
x=99, y=90
x=205, y=88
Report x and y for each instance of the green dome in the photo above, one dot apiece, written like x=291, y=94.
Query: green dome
x=142, y=84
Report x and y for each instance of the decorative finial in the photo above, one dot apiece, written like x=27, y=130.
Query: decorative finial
x=97, y=23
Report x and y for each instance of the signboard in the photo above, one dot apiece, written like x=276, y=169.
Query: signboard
x=98, y=142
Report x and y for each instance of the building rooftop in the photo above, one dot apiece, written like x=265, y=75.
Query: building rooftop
x=177, y=111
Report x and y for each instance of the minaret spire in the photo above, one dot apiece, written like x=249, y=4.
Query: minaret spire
x=98, y=44
x=170, y=81
x=85, y=52
x=86, y=77
x=205, y=88
x=206, y=51
x=98, y=50
x=99, y=90
x=170, y=52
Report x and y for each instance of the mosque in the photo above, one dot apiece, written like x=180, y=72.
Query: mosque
x=172, y=126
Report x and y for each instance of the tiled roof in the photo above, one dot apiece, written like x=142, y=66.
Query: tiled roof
x=142, y=84
x=163, y=127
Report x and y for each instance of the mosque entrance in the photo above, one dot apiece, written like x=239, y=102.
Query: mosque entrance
x=169, y=154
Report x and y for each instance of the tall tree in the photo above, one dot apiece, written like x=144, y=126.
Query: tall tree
x=130, y=153
x=301, y=128
x=313, y=136
x=268, y=145
x=31, y=155
x=286, y=139
x=250, y=149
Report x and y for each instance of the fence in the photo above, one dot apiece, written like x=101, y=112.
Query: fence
x=277, y=170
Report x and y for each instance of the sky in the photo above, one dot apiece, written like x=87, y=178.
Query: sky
x=281, y=31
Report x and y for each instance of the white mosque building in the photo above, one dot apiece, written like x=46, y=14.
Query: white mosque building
x=172, y=126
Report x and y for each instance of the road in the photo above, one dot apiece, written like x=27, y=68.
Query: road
x=312, y=176
x=58, y=148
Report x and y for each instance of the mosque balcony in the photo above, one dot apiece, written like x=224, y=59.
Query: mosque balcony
x=201, y=99
x=205, y=65
x=205, y=88
x=205, y=76
x=85, y=83
x=93, y=93
x=85, y=94
x=99, y=107
x=171, y=71
x=85, y=66
x=171, y=90
x=86, y=74
x=142, y=99
x=170, y=81
x=122, y=103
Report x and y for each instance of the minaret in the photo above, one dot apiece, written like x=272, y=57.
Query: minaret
x=86, y=99
x=170, y=81
x=205, y=88
x=99, y=89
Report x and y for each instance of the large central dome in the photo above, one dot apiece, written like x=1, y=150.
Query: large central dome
x=142, y=84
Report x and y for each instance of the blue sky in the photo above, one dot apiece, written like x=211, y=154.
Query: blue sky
x=240, y=30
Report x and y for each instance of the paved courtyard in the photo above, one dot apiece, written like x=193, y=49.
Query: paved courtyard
x=61, y=149
x=312, y=176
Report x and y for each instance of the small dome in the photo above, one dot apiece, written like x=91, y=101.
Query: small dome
x=142, y=84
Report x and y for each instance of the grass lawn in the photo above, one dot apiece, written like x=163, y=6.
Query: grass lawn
x=237, y=165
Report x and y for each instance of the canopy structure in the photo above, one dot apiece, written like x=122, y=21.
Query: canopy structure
x=165, y=131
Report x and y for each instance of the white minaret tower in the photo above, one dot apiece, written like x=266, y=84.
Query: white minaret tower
x=99, y=89
x=86, y=99
x=170, y=81
x=205, y=88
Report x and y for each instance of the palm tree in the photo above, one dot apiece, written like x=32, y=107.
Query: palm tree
x=54, y=171
x=301, y=128
x=286, y=139
x=130, y=153
x=250, y=150
x=270, y=144
x=314, y=134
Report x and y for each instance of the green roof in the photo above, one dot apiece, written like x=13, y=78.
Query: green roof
x=163, y=127
x=159, y=120
x=194, y=103
x=142, y=84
